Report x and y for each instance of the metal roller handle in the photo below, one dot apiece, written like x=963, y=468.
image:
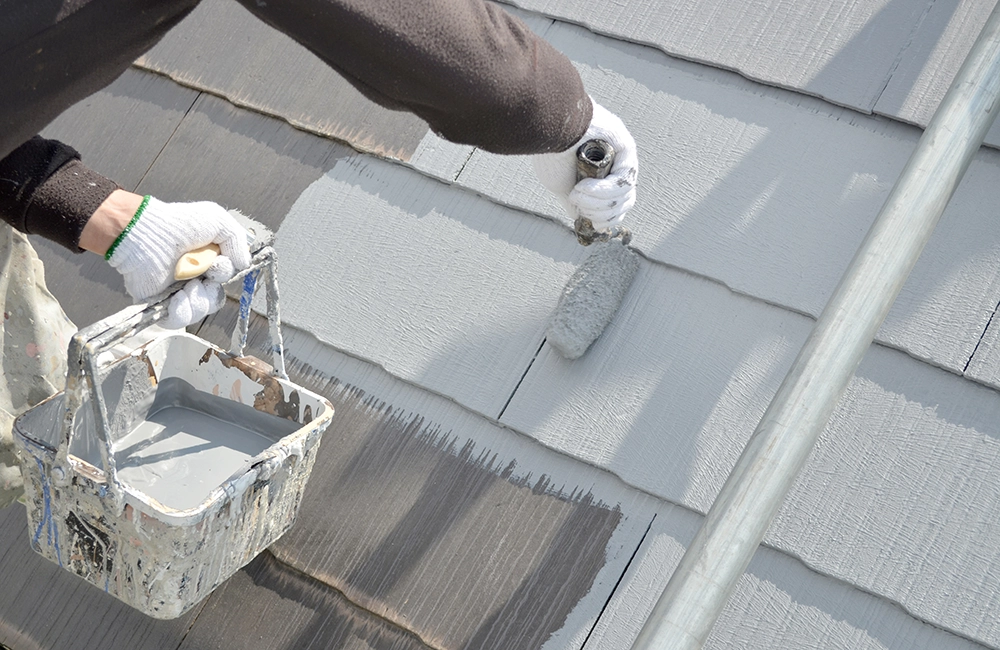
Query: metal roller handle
x=593, y=160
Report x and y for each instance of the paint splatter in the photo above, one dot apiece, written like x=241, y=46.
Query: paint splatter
x=32, y=349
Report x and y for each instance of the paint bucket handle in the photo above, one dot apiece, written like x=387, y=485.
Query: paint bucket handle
x=83, y=378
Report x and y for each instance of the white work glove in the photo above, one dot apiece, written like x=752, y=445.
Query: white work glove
x=604, y=201
x=147, y=254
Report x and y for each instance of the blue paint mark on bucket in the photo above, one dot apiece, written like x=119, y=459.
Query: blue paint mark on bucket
x=249, y=284
x=47, y=522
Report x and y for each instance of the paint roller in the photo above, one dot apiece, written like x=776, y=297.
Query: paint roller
x=594, y=292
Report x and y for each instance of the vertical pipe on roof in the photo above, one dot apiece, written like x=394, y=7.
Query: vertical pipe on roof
x=735, y=525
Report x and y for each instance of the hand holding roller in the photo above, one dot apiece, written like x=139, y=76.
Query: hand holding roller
x=594, y=292
x=593, y=160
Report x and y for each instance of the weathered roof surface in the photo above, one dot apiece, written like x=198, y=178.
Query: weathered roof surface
x=476, y=490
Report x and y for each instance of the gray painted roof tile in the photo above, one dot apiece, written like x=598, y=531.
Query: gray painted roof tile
x=433, y=283
x=224, y=49
x=771, y=193
x=445, y=523
x=268, y=605
x=119, y=130
x=899, y=497
x=779, y=603
x=240, y=159
x=930, y=61
x=843, y=50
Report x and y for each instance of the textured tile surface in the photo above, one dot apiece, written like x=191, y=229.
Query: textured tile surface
x=779, y=603
x=771, y=193
x=224, y=49
x=239, y=159
x=900, y=497
x=433, y=283
x=268, y=605
x=930, y=61
x=844, y=50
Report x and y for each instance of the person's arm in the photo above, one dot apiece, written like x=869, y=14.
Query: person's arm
x=108, y=221
x=476, y=74
x=45, y=190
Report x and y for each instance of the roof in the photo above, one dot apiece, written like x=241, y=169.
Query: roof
x=475, y=490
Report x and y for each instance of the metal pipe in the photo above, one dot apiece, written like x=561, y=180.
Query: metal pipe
x=735, y=525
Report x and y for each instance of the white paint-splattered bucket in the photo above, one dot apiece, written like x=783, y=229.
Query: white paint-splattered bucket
x=158, y=474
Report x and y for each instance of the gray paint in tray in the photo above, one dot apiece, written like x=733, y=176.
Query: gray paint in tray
x=188, y=442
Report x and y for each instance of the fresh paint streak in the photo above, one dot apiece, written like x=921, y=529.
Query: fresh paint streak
x=433, y=283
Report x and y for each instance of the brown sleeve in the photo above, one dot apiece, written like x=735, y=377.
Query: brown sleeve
x=64, y=203
x=45, y=190
x=475, y=73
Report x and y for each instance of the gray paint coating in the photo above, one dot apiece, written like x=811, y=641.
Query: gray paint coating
x=188, y=442
x=912, y=439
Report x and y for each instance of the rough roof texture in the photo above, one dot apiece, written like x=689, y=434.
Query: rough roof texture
x=476, y=490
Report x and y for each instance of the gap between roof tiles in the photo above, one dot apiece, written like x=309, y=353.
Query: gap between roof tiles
x=152, y=163
x=621, y=579
x=982, y=336
x=314, y=580
x=248, y=106
x=899, y=56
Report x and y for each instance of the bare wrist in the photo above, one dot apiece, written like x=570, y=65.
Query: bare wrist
x=109, y=220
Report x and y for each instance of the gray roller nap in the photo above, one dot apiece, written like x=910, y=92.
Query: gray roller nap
x=591, y=298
